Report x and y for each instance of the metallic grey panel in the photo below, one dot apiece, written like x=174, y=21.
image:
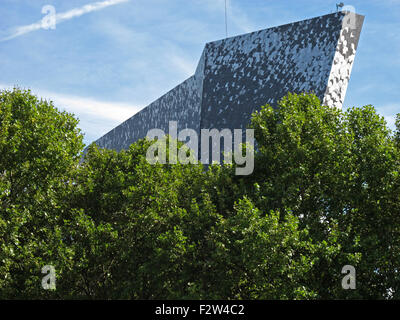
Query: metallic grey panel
x=180, y=104
x=245, y=72
x=343, y=61
x=236, y=76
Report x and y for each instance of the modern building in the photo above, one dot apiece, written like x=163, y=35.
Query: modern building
x=237, y=75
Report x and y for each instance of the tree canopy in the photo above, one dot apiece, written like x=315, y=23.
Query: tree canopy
x=324, y=194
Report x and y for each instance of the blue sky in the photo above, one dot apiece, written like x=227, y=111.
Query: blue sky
x=107, y=59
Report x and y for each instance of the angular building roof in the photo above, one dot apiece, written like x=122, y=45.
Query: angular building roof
x=237, y=75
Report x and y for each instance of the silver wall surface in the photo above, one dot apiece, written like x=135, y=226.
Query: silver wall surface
x=237, y=75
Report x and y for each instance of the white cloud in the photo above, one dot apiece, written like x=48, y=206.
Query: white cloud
x=94, y=108
x=389, y=111
x=96, y=117
x=235, y=15
x=64, y=16
x=185, y=66
x=391, y=120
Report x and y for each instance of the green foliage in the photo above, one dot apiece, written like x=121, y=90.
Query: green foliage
x=39, y=149
x=324, y=194
x=336, y=171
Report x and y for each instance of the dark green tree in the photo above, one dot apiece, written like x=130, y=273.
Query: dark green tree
x=324, y=194
x=152, y=232
x=39, y=149
x=336, y=170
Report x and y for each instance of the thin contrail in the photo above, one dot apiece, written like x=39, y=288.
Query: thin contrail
x=64, y=16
